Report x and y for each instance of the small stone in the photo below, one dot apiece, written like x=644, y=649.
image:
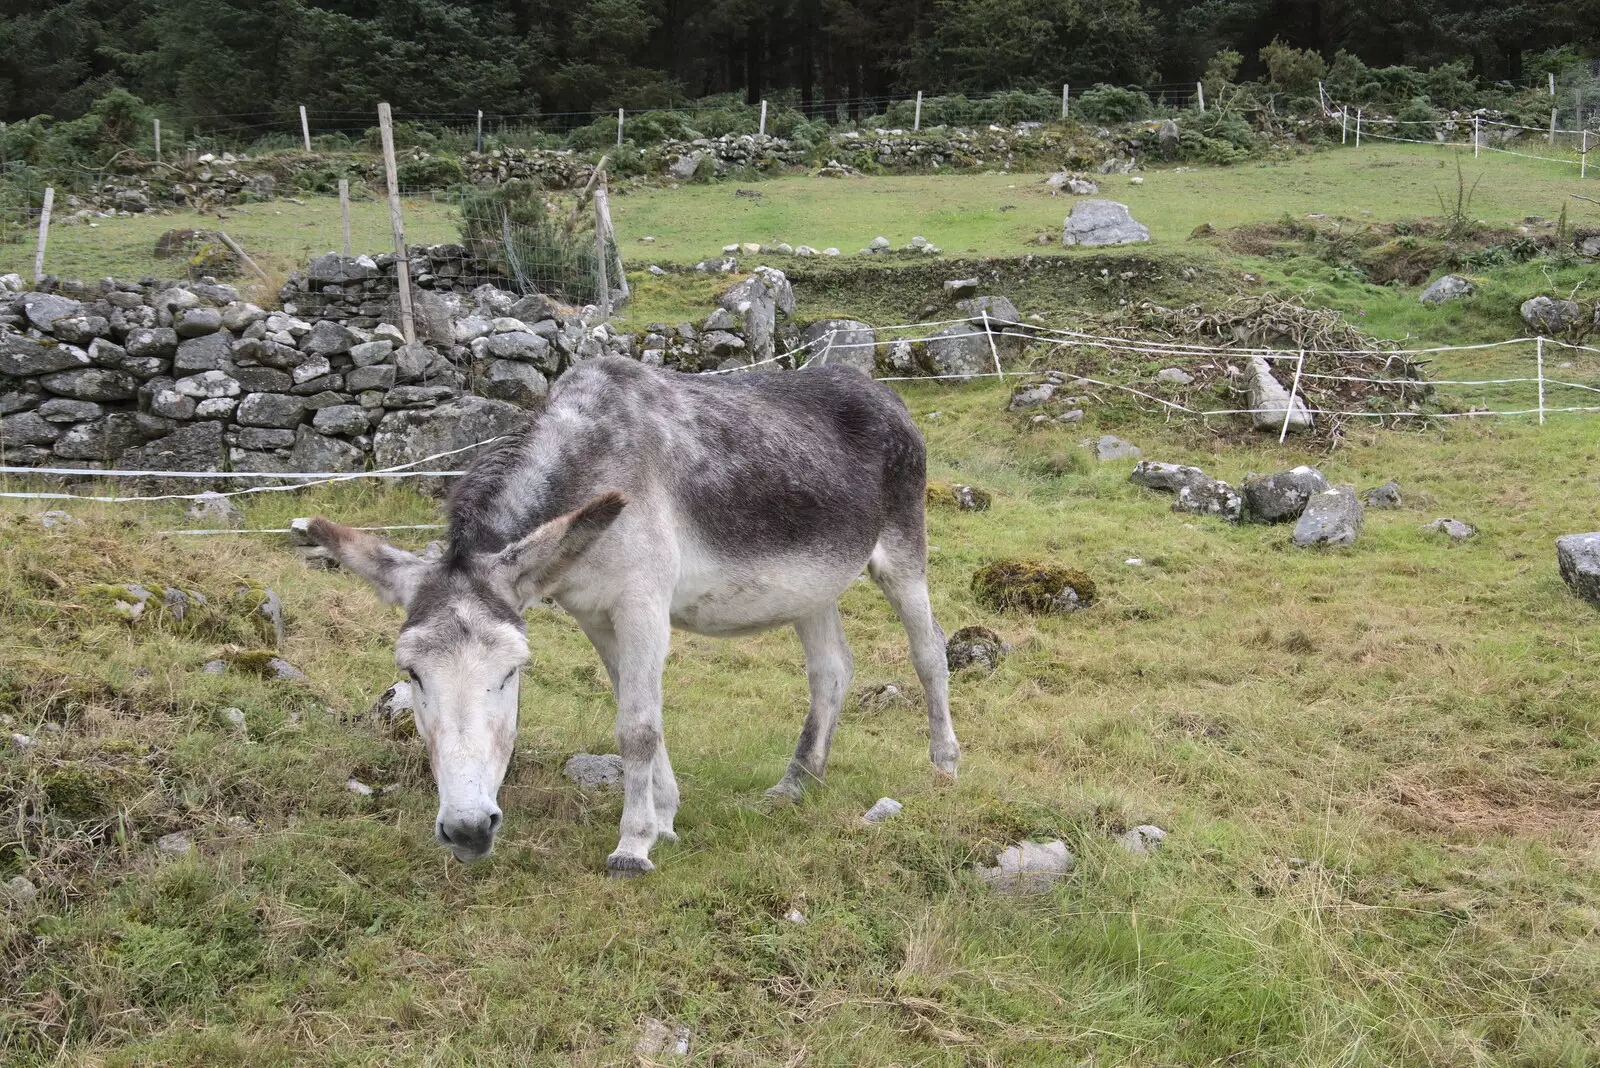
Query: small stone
x=795, y=916
x=1384, y=496
x=1450, y=287
x=591, y=772
x=394, y=708
x=1143, y=840
x=1030, y=867
x=214, y=508
x=1457, y=530
x=882, y=809
x=175, y=844
x=961, y=288
x=19, y=893
x=1175, y=375
x=21, y=741
x=234, y=717
x=283, y=671
x=1169, y=478
x=356, y=786
x=197, y=321
x=214, y=667
x=660, y=1039
x=1114, y=448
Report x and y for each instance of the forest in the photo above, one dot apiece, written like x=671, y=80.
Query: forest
x=224, y=61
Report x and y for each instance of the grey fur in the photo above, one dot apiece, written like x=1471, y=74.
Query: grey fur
x=641, y=499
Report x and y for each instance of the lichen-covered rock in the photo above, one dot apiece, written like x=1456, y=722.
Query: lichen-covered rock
x=408, y=436
x=1212, y=497
x=1169, y=478
x=1547, y=316
x=508, y=380
x=960, y=497
x=1454, y=529
x=271, y=410
x=208, y=352
x=92, y=384
x=197, y=321
x=1578, y=558
x=20, y=356
x=103, y=439
x=841, y=341
x=961, y=349
x=1281, y=497
x=1450, y=287
x=1032, y=587
x=1384, y=496
x=974, y=646
x=318, y=452
x=1332, y=517
x=592, y=771
x=1029, y=867
x=1271, y=404
x=1110, y=447
x=1102, y=222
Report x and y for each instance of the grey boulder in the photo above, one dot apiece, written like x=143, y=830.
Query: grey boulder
x=1450, y=287
x=22, y=356
x=1030, y=867
x=841, y=341
x=1578, y=557
x=591, y=771
x=1169, y=478
x=1281, y=497
x=1551, y=316
x=508, y=380
x=1332, y=517
x=1110, y=447
x=1102, y=222
x=92, y=384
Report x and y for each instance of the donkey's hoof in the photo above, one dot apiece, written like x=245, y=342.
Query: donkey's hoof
x=786, y=792
x=628, y=866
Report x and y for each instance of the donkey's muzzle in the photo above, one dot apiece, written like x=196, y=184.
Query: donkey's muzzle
x=469, y=836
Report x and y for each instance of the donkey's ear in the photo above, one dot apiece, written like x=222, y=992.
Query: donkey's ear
x=531, y=564
x=394, y=573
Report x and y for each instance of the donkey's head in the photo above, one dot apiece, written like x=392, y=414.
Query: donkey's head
x=463, y=643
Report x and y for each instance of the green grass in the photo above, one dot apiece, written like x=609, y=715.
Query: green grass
x=1377, y=766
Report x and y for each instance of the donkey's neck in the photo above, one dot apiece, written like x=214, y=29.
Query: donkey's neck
x=537, y=475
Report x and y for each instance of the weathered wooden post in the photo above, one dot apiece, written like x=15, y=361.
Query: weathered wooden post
x=402, y=264
x=158, y=140
x=480, y=131
x=44, y=232
x=344, y=212
x=1200, y=94
x=619, y=127
x=1066, y=93
x=916, y=118
x=305, y=128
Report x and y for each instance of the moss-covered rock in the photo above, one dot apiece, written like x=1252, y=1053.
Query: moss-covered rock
x=974, y=647
x=1032, y=587
x=958, y=497
x=77, y=793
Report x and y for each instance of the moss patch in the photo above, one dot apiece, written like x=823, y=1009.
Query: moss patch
x=1032, y=587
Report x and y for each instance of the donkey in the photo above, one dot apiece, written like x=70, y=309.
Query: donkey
x=638, y=500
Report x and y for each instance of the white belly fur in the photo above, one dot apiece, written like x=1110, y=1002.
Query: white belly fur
x=726, y=598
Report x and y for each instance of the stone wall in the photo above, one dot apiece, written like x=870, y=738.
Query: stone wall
x=191, y=377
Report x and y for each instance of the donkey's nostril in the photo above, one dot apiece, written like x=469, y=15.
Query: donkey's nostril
x=440, y=832
x=494, y=822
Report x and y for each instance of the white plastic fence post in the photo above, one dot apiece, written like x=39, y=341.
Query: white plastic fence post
x=402, y=261
x=620, y=118
x=1288, y=413
x=1583, y=157
x=1066, y=96
x=480, y=130
x=305, y=128
x=44, y=232
x=1552, y=83
x=158, y=140
x=916, y=120
x=1322, y=96
x=1358, y=127
x=1344, y=125
x=344, y=212
x=1476, y=138
x=1539, y=356
x=761, y=131
x=1200, y=94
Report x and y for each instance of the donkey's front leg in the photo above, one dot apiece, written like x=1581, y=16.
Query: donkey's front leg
x=642, y=640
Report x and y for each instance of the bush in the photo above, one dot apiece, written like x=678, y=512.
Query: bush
x=430, y=172
x=1292, y=70
x=544, y=254
x=1110, y=104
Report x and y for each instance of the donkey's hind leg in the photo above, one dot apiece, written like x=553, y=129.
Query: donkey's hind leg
x=828, y=669
x=902, y=576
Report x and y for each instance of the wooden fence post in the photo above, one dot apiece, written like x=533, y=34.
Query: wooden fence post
x=1200, y=92
x=305, y=128
x=1552, y=83
x=761, y=131
x=244, y=257
x=619, y=127
x=158, y=140
x=402, y=264
x=480, y=131
x=1344, y=124
x=44, y=232
x=602, y=215
x=1583, y=157
x=1477, y=136
x=344, y=212
x=602, y=281
x=916, y=119
x=1066, y=94
x=1552, y=126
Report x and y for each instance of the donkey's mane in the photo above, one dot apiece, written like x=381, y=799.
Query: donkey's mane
x=475, y=503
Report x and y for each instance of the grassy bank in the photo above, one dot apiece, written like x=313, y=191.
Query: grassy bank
x=1377, y=765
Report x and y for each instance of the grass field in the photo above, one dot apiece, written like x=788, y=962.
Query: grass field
x=1379, y=766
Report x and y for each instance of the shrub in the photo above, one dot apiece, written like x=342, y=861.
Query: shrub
x=1110, y=104
x=1292, y=70
x=430, y=172
x=543, y=254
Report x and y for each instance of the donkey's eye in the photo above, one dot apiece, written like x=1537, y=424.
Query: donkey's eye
x=509, y=676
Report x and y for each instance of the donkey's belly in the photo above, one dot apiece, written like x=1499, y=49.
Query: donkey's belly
x=727, y=598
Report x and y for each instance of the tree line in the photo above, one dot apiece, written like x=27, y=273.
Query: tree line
x=236, y=62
